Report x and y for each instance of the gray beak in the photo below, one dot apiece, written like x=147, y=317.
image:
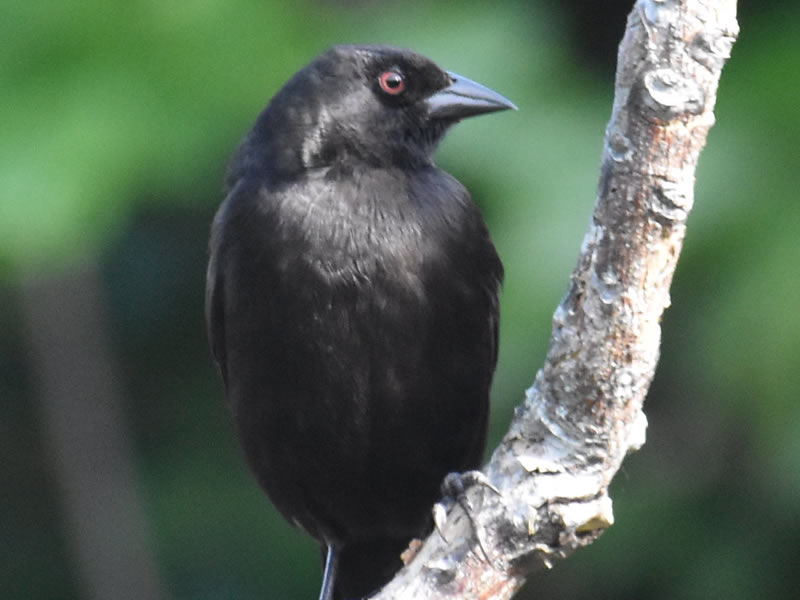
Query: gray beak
x=465, y=98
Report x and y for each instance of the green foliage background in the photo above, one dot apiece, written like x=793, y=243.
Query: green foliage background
x=116, y=120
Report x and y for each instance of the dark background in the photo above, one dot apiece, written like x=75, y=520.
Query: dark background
x=116, y=120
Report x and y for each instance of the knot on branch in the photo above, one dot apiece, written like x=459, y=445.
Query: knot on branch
x=667, y=95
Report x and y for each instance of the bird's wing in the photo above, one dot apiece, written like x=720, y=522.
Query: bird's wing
x=215, y=283
x=215, y=314
x=494, y=326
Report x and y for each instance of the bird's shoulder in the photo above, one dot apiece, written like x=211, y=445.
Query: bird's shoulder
x=348, y=208
x=389, y=226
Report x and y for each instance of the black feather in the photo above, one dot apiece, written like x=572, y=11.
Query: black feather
x=352, y=308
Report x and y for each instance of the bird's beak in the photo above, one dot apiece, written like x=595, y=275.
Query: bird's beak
x=465, y=98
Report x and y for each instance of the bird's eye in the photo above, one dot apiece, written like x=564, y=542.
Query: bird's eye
x=392, y=82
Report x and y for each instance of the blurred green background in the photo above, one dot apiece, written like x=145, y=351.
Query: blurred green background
x=119, y=475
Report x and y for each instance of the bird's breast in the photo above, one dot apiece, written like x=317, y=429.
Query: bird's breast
x=358, y=230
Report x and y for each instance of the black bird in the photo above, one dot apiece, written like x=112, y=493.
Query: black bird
x=351, y=304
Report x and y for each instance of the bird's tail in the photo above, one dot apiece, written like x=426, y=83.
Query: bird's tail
x=365, y=567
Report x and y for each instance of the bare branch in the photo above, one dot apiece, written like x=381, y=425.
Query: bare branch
x=583, y=413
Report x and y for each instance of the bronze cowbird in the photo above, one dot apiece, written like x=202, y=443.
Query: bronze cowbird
x=352, y=306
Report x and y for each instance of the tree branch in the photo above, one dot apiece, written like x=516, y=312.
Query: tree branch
x=583, y=413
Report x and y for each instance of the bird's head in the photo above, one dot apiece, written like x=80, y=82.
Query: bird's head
x=371, y=104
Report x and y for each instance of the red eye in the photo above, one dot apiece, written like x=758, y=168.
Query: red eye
x=392, y=82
